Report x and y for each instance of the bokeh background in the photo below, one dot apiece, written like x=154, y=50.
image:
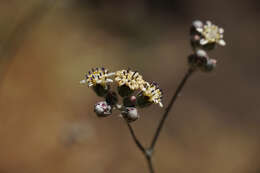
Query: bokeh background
x=47, y=123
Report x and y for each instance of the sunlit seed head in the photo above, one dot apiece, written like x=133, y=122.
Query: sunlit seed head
x=97, y=76
x=132, y=79
x=153, y=92
x=212, y=34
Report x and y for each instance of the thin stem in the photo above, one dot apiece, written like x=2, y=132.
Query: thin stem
x=150, y=164
x=169, y=107
x=146, y=152
x=137, y=142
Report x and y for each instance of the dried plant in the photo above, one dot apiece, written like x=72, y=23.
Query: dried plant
x=136, y=93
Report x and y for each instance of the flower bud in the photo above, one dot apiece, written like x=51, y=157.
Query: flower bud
x=129, y=101
x=124, y=91
x=195, y=35
x=103, y=109
x=195, y=24
x=130, y=114
x=111, y=98
x=195, y=41
x=101, y=90
x=143, y=101
x=209, y=66
x=198, y=59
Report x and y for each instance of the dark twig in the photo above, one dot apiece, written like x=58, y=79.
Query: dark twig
x=169, y=107
x=149, y=151
x=146, y=152
x=137, y=142
x=150, y=164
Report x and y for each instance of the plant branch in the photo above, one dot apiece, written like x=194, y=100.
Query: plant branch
x=149, y=151
x=150, y=164
x=137, y=142
x=169, y=107
x=146, y=152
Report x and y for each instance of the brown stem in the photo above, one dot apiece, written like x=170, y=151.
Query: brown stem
x=137, y=142
x=149, y=151
x=146, y=152
x=169, y=107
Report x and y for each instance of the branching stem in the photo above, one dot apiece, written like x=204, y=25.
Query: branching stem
x=169, y=107
x=148, y=152
x=137, y=142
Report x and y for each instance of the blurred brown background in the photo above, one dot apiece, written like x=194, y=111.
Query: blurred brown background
x=47, y=124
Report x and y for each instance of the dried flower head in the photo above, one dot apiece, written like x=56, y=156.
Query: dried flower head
x=152, y=92
x=211, y=33
x=97, y=76
x=128, y=82
x=131, y=79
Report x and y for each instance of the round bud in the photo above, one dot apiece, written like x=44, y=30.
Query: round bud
x=197, y=24
x=201, y=53
x=199, y=59
x=130, y=114
x=124, y=91
x=194, y=26
x=210, y=65
x=101, y=90
x=129, y=101
x=142, y=101
x=102, y=109
x=195, y=41
x=195, y=35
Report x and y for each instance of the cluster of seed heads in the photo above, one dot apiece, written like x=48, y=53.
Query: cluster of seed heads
x=138, y=93
x=131, y=87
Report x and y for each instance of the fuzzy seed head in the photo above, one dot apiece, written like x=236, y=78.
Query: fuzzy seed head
x=153, y=92
x=97, y=76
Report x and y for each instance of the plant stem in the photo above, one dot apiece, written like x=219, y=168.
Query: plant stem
x=147, y=152
x=150, y=164
x=169, y=107
x=137, y=142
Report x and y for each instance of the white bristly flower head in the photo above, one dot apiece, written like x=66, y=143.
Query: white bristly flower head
x=153, y=92
x=131, y=79
x=211, y=33
x=97, y=76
